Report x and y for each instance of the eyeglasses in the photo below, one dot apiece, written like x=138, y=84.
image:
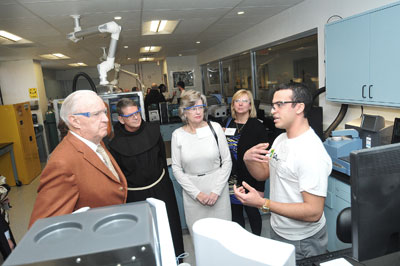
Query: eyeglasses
x=93, y=114
x=136, y=114
x=279, y=104
x=195, y=108
x=241, y=100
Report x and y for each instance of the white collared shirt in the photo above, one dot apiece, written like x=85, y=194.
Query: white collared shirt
x=90, y=144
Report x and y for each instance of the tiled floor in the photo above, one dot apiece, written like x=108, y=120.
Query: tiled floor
x=22, y=200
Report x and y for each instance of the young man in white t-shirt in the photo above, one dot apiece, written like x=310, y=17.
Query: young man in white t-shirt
x=298, y=167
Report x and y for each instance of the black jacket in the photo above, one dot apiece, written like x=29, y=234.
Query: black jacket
x=253, y=133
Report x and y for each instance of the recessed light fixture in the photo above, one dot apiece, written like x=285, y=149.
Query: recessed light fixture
x=129, y=58
x=126, y=46
x=117, y=18
x=79, y=64
x=198, y=42
x=146, y=59
x=179, y=54
x=240, y=12
x=54, y=56
x=159, y=27
x=10, y=36
x=150, y=49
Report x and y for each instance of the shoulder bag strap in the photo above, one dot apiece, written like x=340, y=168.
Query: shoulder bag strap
x=216, y=139
x=228, y=122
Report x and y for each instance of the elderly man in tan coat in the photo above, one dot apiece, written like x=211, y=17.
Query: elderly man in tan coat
x=80, y=172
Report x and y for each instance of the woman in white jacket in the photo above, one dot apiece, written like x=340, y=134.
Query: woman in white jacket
x=200, y=164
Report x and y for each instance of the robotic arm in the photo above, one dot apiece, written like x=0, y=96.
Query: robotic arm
x=110, y=27
x=118, y=68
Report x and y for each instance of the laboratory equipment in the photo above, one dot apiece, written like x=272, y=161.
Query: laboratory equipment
x=339, y=147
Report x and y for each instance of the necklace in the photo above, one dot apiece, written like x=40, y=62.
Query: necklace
x=239, y=128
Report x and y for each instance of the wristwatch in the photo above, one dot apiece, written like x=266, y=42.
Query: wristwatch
x=265, y=207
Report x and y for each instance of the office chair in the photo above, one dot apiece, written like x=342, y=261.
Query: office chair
x=343, y=225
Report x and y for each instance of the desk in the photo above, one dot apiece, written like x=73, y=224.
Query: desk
x=8, y=147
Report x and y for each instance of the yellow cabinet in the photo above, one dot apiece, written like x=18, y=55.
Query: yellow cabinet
x=16, y=126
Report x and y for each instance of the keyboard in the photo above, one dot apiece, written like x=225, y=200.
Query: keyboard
x=316, y=260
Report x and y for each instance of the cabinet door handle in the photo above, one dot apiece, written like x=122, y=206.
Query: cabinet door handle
x=362, y=91
x=369, y=91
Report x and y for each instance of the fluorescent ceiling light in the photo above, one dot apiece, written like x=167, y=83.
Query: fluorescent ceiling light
x=146, y=59
x=159, y=27
x=61, y=56
x=150, y=49
x=117, y=18
x=79, y=64
x=198, y=42
x=54, y=56
x=162, y=25
x=240, y=12
x=126, y=46
x=9, y=36
x=154, y=25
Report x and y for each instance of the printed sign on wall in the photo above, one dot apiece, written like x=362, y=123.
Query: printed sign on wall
x=33, y=93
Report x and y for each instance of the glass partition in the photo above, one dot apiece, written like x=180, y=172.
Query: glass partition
x=236, y=74
x=212, y=82
x=295, y=60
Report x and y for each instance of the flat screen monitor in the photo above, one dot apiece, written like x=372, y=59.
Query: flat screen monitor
x=375, y=201
x=396, y=131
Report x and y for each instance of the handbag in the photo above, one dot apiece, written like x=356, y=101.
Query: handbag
x=216, y=139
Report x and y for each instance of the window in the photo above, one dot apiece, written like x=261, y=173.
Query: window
x=237, y=74
x=212, y=83
x=295, y=60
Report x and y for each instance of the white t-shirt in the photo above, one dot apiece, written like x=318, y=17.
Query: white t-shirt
x=298, y=164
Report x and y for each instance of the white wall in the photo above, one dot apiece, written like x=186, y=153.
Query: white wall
x=184, y=63
x=16, y=77
x=303, y=17
x=15, y=89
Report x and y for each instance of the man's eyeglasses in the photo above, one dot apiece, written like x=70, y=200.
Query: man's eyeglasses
x=136, y=114
x=195, y=108
x=93, y=114
x=241, y=100
x=279, y=104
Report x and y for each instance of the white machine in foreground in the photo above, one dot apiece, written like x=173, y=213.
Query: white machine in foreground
x=128, y=234
x=219, y=242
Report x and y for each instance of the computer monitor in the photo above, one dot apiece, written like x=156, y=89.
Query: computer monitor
x=396, y=131
x=375, y=201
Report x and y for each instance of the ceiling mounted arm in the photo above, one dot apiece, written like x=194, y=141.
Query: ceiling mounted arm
x=109, y=27
x=118, y=68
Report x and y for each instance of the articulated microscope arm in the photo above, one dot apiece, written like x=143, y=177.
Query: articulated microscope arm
x=118, y=68
x=110, y=27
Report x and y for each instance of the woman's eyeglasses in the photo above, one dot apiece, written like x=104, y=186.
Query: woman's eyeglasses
x=195, y=108
x=241, y=100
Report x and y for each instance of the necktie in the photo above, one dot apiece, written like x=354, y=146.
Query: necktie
x=107, y=160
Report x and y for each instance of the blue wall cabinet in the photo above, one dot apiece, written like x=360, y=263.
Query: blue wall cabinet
x=338, y=198
x=362, y=58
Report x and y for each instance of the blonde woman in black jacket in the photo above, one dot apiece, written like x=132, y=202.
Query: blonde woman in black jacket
x=243, y=131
